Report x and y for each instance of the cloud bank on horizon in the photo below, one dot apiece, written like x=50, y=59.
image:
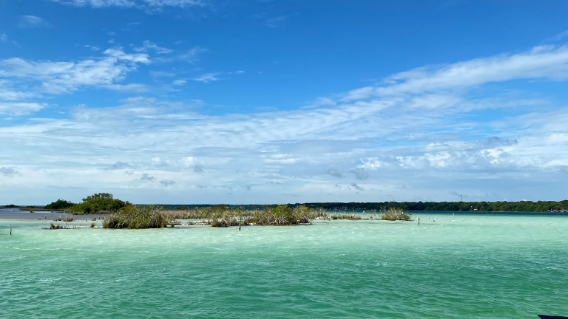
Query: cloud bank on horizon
x=154, y=114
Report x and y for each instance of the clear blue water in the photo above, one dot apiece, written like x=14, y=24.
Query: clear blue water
x=478, y=266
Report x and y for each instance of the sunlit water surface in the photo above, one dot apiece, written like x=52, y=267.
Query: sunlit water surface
x=473, y=267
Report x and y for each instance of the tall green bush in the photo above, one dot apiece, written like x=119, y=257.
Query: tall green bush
x=98, y=203
x=59, y=204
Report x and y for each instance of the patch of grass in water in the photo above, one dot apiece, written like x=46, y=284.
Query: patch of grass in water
x=136, y=217
x=393, y=214
x=64, y=219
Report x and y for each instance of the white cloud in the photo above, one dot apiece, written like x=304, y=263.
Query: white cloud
x=141, y=4
x=62, y=77
x=3, y=37
x=208, y=77
x=540, y=62
x=131, y=87
x=192, y=55
x=174, y=3
x=19, y=108
x=417, y=141
x=559, y=36
x=147, y=45
x=8, y=93
x=92, y=47
x=119, y=54
x=29, y=21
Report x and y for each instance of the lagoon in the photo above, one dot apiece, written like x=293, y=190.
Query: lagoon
x=477, y=266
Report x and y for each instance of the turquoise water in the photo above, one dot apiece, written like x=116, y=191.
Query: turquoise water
x=473, y=267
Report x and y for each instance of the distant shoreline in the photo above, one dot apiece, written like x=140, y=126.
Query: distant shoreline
x=11, y=215
x=503, y=206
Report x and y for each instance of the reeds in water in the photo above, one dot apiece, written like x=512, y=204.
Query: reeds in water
x=136, y=217
x=56, y=226
x=393, y=214
x=222, y=216
x=347, y=217
x=64, y=219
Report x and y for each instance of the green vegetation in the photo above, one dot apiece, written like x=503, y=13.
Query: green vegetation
x=59, y=204
x=225, y=216
x=10, y=206
x=346, y=217
x=395, y=214
x=64, y=219
x=522, y=206
x=136, y=217
x=98, y=203
x=285, y=215
x=103, y=203
x=57, y=226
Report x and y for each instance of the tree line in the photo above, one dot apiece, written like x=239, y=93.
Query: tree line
x=96, y=203
x=502, y=206
x=105, y=203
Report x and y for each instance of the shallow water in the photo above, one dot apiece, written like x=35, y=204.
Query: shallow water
x=478, y=266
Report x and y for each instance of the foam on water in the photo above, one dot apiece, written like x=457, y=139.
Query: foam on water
x=474, y=267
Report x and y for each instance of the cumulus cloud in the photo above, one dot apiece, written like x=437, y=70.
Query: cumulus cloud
x=408, y=131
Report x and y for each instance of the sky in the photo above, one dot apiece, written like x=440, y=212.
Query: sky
x=283, y=101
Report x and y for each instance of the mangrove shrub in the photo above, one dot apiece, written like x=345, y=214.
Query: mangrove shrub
x=136, y=217
x=98, y=203
x=395, y=214
x=59, y=204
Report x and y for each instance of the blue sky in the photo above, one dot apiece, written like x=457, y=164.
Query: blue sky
x=206, y=101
